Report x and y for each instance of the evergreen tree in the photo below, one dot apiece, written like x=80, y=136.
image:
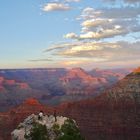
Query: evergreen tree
x=70, y=131
x=38, y=132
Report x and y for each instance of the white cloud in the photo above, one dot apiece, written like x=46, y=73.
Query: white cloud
x=95, y=23
x=71, y=35
x=72, y=63
x=97, y=53
x=98, y=24
x=74, y=47
x=104, y=33
x=89, y=13
x=107, y=23
x=56, y=7
x=104, y=51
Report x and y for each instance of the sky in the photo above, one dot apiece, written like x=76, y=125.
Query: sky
x=69, y=33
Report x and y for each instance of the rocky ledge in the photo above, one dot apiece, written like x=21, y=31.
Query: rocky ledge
x=48, y=127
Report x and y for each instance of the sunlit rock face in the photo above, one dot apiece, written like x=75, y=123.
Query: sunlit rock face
x=136, y=71
x=80, y=74
x=31, y=101
x=77, y=81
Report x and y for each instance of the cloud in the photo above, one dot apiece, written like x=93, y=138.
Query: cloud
x=89, y=13
x=104, y=33
x=72, y=63
x=95, y=23
x=72, y=0
x=56, y=47
x=99, y=54
x=100, y=51
x=56, y=7
x=86, y=49
x=125, y=1
x=40, y=60
x=107, y=23
x=71, y=35
x=90, y=45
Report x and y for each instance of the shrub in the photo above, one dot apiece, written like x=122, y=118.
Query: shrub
x=70, y=131
x=56, y=130
x=38, y=132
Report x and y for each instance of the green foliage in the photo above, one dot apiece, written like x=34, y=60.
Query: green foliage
x=56, y=127
x=70, y=131
x=56, y=130
x=38, y=132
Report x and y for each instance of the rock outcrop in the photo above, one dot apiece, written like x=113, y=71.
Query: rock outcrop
x=25, y=127
x=50, y=127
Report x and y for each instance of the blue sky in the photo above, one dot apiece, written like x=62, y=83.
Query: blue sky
x=69, y=33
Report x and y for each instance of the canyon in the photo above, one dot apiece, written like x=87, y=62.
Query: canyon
x=53, y=86
x=113, y=115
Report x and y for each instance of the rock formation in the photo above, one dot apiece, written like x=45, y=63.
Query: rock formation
x=25, y=127
x=53, y=127
x=113, y=115
x=53, y=86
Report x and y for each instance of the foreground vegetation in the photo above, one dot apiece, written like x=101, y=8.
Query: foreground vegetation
x=68, y=131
